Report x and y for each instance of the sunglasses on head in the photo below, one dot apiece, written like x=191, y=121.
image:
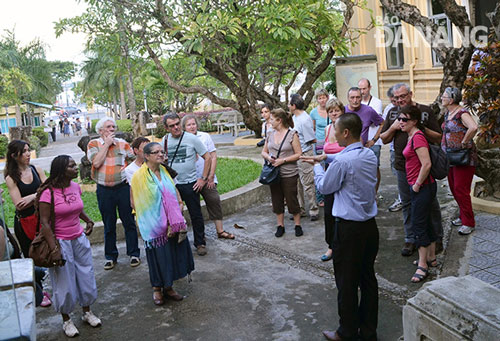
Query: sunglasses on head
x=403, y=119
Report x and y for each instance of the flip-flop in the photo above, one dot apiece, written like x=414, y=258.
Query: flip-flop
x=326, y=258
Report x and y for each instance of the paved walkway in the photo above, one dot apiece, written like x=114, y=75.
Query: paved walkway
x=484, y=262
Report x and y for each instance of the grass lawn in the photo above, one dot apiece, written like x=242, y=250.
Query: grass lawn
x=231, y=174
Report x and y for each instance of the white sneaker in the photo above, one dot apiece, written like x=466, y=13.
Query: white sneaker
x=397, y=205
x=70, y=329
x=465, y=230
x=91, y=319
x=457, y=222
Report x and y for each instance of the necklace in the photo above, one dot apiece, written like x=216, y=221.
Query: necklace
x=452, y=114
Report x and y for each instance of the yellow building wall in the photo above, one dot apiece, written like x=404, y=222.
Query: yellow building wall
x=418, y=71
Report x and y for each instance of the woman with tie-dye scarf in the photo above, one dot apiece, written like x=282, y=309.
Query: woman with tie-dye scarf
x=158, y=208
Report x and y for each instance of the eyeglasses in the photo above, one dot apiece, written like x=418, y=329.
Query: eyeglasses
x=157, y=152
x=445, y=97
x=401, y=96
x=403, y=119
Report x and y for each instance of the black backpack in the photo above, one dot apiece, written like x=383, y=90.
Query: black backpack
x=439, y=160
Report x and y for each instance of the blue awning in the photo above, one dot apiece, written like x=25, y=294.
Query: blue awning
x=42, y=105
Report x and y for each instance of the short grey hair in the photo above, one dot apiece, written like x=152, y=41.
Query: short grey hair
x=103, y=120
x=320, y=92
x=188, y=117
x=454, y=93
x=401, y=85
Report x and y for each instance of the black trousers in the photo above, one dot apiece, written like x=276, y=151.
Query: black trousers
x=329, y=219
x=355, y=248
x=192, y=200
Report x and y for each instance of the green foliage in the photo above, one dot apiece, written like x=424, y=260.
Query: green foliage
x=8, y=207
x=26, y=74
x=35, y=143
x=124, y=126
x=482, y=92
x=93, y=123
x=90, y=206
x=160, y=130
x=42, y=136
x=4, y=142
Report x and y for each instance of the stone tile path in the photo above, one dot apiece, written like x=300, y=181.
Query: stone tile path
x=484, y=262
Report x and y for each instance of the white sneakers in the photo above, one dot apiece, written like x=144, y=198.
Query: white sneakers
x=70, y=329
x=465, y=230
x=89, y=317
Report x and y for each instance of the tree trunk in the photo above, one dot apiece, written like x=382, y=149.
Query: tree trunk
x=488, y=168
x=123, y=103
x=139, y=129
x=19, y=116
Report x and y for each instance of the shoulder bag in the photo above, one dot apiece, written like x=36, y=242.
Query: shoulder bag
x=456, y=157
x=271, y=174
x=39, y=250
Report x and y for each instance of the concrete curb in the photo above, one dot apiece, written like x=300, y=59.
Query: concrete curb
x=232, y=202
x=481, y=204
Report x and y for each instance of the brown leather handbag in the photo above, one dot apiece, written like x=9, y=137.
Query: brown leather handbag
x=39, y=250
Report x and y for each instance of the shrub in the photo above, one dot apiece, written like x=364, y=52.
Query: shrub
x=35, y=143
x=93, y=123
x=42, y=136
x=124, y=126
x=4, y=142
x=160, y=130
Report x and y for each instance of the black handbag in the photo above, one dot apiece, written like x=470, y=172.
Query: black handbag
x=458, y=157
x=271, y=174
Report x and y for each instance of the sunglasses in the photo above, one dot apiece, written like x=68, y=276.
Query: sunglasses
x=403, y=119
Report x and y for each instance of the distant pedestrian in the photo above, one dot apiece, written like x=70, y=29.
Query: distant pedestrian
x=266, y=129
x=78, y=127
x=66, y=128
x=61, y=124
x=352, y=178
x=109, y=157
x=286, y=189
x=158, y=206
x=88, y=125
x=52, y=125
x=459, y=129
x=72, y=277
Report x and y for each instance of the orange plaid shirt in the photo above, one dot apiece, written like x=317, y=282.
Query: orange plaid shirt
x=112, y=172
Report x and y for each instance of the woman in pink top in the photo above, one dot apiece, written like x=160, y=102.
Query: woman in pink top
x=72, y=276
x=422, y=189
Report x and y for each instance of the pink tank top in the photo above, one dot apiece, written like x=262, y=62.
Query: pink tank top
x=331, y=148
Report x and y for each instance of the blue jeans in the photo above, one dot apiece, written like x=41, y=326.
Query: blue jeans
x=404, y=194
x=109, y=199
x=192, y=200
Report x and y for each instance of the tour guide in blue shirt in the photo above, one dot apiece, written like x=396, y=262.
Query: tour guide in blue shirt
x=352, y=177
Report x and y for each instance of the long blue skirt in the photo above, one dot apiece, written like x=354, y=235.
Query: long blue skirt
x=169, y=262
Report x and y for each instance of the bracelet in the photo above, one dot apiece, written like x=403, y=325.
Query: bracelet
x=418, y=184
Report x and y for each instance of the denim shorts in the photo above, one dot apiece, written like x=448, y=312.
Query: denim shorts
x=376, y=150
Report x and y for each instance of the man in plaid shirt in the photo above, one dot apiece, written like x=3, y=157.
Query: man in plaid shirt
x=109, y=157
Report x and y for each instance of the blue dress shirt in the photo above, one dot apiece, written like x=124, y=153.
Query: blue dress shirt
x=352, y=177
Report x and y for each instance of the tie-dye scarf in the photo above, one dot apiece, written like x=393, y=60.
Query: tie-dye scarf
x=157, y=208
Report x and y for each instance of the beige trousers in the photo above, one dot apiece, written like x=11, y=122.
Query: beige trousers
x=306, y=185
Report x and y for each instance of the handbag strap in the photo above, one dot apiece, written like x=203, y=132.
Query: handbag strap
x=281, y=145
x=52, y=214
x=165, y=146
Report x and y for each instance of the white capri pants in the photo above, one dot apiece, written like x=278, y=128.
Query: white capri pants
x=75, y=281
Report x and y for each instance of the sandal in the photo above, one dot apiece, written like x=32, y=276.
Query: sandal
x=225, y=235
x=158, y=299
x=430, y=263
x=173, y=295
x=418, y=276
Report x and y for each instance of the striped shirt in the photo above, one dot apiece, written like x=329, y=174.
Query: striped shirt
x=112, y=171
